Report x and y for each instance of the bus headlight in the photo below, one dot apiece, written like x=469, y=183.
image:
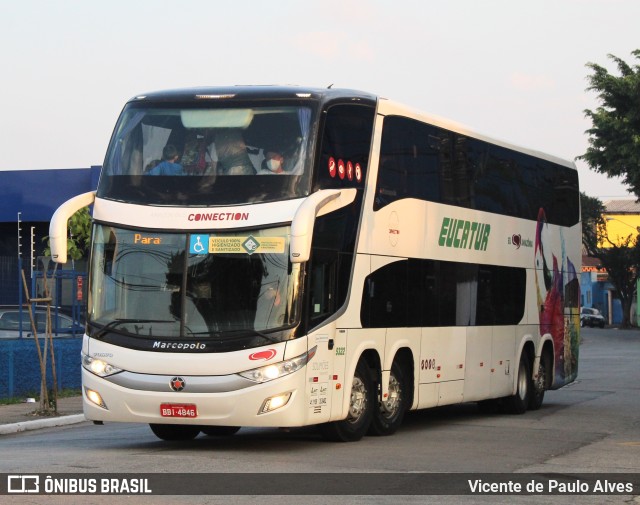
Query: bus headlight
x=99, y=367
x=94, y=397
x=274, y=403
x=277, y=370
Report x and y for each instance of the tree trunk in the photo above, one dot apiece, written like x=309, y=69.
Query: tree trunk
x=626, y=312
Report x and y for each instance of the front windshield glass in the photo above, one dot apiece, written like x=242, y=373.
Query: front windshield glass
x=217, y=285
x=167, y=155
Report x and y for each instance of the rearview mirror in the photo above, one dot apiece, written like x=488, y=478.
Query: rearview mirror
x=326, y=200
x=58, y=225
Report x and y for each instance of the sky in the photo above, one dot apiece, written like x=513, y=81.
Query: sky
x=511, y=69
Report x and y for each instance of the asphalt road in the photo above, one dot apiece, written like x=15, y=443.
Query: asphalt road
x=593, y=425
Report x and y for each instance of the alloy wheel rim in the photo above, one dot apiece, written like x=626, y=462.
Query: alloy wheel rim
x=358, y=403
x=391, y=404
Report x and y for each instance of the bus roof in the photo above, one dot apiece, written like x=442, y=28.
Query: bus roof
x=254, y=93
x=323, y=95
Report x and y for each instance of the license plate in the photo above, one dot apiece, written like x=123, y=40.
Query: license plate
x=178, y=410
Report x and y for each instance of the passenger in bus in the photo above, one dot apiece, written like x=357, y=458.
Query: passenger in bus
x=231, y=150
x=169, y=164
x=151, y=164
x=273, y=163
x=195, y=158
x=287, y=161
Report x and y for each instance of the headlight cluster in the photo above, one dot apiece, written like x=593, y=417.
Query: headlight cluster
x=276, y=370
x=99, y=367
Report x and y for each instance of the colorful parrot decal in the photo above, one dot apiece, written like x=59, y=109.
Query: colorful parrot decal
x=558, y=295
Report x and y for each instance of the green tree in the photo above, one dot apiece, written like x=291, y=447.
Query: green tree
x=79, y=239
x=614, y=138
x=593, y=223
x=622, y=260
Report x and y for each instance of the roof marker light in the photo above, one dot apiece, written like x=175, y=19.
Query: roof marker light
x=214, y=97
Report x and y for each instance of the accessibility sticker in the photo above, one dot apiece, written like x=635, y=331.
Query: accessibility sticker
x=198, y=244
x=246, y=245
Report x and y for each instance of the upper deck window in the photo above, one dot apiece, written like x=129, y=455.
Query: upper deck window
x=209, y=156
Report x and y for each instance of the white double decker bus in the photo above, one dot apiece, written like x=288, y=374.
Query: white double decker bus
x=284, y=257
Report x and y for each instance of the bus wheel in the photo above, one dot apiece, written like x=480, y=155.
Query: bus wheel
x=219, y=431
x=540, y=383
x=387, y=418
x=518, y=403
x=361, y=405
x=175, y=431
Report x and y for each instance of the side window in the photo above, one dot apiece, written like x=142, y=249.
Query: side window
x=501, y=295
x=345, y=147
x=343, y=163
x=566, y=197
x=331, y=261
x=413, y=159
x=494, y=182
x=422, y=161
x=432, y=293
x=385, y=300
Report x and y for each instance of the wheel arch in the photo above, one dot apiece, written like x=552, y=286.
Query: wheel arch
x=548, y=352
x=371, y=357
x=373, y=361
x=406, y=359
x=528, y=349
x=545, y=348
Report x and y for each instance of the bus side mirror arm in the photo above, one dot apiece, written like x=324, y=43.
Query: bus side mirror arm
x=58, y=225
x=305, y=218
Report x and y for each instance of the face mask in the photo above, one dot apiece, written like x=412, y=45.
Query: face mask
x=274, y=165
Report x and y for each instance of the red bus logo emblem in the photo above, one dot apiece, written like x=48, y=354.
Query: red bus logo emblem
x=265, y=355
x=177, y=384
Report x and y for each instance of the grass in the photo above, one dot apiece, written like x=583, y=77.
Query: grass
x=63, y=393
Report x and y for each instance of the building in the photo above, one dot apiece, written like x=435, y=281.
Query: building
x=28, y=199
x=622, y=218
x=597, y=292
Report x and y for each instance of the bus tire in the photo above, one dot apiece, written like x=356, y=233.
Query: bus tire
x=518, y=403
x=219, y=431
x=540, y=384
x=361, y=406
x=175, y=431
x=388, y=417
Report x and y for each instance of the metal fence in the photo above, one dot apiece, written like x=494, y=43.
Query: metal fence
x=19, y=363
x=20, y=368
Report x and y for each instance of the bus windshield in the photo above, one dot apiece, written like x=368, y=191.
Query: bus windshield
x=204, y=286
x=171, y=155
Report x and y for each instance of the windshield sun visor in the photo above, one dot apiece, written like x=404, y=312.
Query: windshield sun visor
x=216, y=118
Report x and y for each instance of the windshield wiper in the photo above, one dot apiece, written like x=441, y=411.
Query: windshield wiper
x=266, y=336
x=110, y=326
x=246, y=332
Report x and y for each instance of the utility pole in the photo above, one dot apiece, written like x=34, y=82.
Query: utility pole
x=33, y=250
x=20, y=272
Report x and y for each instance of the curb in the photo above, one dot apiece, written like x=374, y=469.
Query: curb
x=7, y=429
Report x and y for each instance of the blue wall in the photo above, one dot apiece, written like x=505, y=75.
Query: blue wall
x=38, y=193
x=596, y=295
x=20, y=368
